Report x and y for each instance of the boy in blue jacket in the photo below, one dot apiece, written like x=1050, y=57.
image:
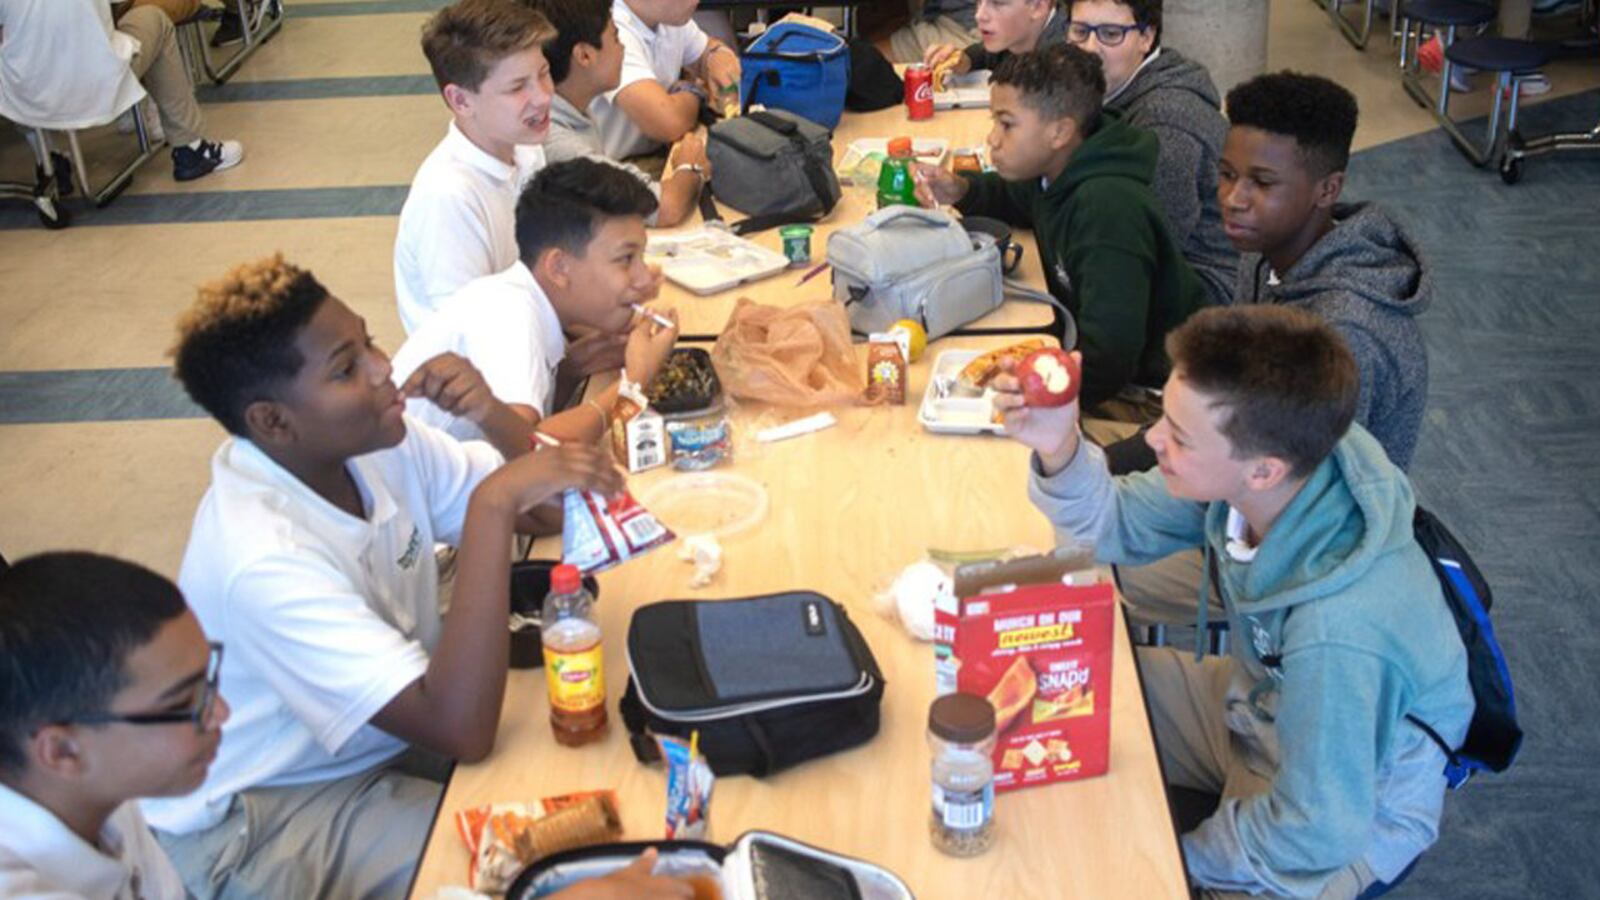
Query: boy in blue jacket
x=1341, y=630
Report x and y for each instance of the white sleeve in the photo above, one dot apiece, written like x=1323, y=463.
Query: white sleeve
x=636, y=65
x=450, y=470
x=694, y=43
x=296, y=622
x=502, y=340
x=448, y=244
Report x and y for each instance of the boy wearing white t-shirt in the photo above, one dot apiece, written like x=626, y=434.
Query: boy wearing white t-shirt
x=654, y=105
x=311, y=556
x=108, y=692
x=581, y=234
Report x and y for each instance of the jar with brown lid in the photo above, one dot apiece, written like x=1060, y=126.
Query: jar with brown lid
x=961, y=736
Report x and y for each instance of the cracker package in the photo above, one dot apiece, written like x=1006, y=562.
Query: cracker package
x=503, y=838
x=1034, y=636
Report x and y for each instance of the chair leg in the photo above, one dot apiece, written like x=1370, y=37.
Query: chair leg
x=120, y=181
x=259, y=20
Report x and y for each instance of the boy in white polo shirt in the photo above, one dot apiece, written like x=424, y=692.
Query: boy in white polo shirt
x=654, y=105
x=311, y=557
x=456, y=224
x=580, y=230
x=100, y=702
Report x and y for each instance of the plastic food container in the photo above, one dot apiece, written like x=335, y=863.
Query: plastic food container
x=721, y=504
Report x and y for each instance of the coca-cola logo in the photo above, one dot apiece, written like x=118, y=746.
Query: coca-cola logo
x=924, y=91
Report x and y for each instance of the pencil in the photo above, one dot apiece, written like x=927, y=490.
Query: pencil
x=817, y=270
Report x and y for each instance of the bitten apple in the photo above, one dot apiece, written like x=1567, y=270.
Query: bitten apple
x=1049, y=378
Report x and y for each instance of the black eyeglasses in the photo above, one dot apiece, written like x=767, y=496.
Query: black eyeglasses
x=1110, y=34
x=196, y=714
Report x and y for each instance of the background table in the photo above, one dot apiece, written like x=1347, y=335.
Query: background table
x=851, y=506
x=702, y=318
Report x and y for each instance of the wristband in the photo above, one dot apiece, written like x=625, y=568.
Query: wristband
x=698, y=170
x=605, y=417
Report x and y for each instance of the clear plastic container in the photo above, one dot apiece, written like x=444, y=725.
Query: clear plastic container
x=961, y=736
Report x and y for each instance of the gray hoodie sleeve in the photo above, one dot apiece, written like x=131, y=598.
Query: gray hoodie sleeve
x=1175, y=181
x=1126, y=520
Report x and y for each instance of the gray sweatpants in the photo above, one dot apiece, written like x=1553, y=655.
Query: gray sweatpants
x=1186, y=701
x=357, y=837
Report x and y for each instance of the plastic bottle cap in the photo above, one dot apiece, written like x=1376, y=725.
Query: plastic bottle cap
x=901, y=146
x=961, y=718
x=565, y=579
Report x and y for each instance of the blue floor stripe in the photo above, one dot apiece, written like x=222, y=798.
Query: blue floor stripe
x=92, y=395
x=374, y=8
x=222, y=206
x=318, y=89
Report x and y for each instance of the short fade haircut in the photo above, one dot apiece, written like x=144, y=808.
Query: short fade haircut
x=566, y=203
x=466, y=39
x=68, y=622
x=236, y=343
x=1145, y=12
x=1319, y=114
x=1059, y=82
x=575, y=22
x=1285, y=377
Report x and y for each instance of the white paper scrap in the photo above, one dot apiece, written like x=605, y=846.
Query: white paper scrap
x=796, y=428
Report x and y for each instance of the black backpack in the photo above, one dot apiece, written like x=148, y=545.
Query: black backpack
x=1493, y=737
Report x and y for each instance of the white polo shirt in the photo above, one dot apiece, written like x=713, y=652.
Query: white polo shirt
x=659, y=54
x=459, y=222
x=63, y=65
x=326, y=616
x=41, y=857
x=505, y=326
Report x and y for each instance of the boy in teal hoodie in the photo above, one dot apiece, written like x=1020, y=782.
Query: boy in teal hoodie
x=1080, y=178
x=1341, y=630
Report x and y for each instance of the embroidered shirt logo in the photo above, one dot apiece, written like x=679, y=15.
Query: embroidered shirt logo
x=1062, y=278
x=408, y=559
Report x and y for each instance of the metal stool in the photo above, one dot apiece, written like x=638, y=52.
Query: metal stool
x=1358, y=38
x=1445, y=17
x=44, y=193
x=259, y=21
x=1513, y=60
x=118, y=182
x=1519, y=148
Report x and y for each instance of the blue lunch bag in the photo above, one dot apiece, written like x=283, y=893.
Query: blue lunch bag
x=798, y=68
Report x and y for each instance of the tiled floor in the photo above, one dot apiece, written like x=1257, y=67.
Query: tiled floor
x=337, y=111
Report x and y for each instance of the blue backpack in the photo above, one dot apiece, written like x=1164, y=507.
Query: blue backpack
x=1493, y=737
x=798, y=68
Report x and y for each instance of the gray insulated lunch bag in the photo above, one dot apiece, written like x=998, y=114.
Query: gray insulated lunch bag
x=769, y=681
x=773, y=163
x=904, y=262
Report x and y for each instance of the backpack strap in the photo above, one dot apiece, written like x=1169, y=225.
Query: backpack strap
x=1457, y=771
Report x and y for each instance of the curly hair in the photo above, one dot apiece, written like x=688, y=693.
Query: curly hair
x=1286, y=378
x=1059, y=81
x=464, y=40
x=236, y=343
x=1319, y=114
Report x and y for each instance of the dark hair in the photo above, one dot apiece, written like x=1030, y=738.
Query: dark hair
x=1059, y=81
x=1285, y=376
x=464, y=40
x=67, y=624
x=565, y=203
x=575, y=22
x=1145, y=12
x=236, y=343
x=1318, y=114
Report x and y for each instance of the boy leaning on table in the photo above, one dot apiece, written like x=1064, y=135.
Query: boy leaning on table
x=1079, y=176
x=1340, y=627
x=102, y=703
x=311, y=558
x=581, y=236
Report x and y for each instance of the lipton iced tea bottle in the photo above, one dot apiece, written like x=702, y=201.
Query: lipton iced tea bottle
x=572, y=660
x=895, y=184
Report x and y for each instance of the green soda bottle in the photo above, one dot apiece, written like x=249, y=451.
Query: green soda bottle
x=895, y=182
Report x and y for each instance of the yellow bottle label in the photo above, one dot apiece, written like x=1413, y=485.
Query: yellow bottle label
x=577, y=683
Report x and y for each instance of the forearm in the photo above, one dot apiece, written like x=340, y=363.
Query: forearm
x=680, y=193
x=584, y=423
x=661, y=116
x=507, y=429
x=990, y=195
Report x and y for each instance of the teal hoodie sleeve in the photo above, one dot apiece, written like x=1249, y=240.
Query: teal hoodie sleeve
x=1126, y=520
x=990, y=195
x=1335, y=716
x=1110, y=255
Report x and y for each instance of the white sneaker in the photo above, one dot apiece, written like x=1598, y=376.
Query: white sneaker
x=1533, y=85
x=204, y=157
x=1461, y=80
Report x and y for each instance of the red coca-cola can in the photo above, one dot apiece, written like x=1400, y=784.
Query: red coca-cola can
x=919, y=91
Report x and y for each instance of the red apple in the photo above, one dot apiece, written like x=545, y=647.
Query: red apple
x=1049, y=378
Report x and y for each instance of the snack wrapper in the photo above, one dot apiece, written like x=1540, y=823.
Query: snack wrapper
x=597, y=533
x=503, y=838
x=689, y=782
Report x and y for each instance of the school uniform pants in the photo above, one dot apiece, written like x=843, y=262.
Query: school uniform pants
x=159, y=66
x=908, y=43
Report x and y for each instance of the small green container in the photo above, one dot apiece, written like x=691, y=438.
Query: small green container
x=796, y=244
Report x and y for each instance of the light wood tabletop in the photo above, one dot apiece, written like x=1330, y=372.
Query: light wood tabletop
x=850, y=506
x=703, y=318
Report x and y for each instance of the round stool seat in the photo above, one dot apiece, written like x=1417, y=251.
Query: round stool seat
x=1494, y=54
x=1448, y=12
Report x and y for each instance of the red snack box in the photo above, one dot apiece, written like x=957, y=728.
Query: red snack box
x=1041, y=653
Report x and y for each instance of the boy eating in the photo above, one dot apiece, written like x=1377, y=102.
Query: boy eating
x=1005, y=27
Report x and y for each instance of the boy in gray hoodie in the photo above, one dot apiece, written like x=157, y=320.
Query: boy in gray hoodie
x=1327, y=789
x=1162, y=91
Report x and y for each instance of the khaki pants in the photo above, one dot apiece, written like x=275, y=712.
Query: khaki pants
x=176, y=10
x=908, y=44
x=159, y=66
x=1166, y=592
x=359, y=837
x=1121, y=416
x=1187, y=700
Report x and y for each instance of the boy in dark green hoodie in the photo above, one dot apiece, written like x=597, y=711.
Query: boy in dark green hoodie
x=1080, y=178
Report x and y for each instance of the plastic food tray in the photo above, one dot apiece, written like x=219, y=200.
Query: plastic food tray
x=969, y=91
x=945, y=409
x=710, y=260
x=929, y=150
